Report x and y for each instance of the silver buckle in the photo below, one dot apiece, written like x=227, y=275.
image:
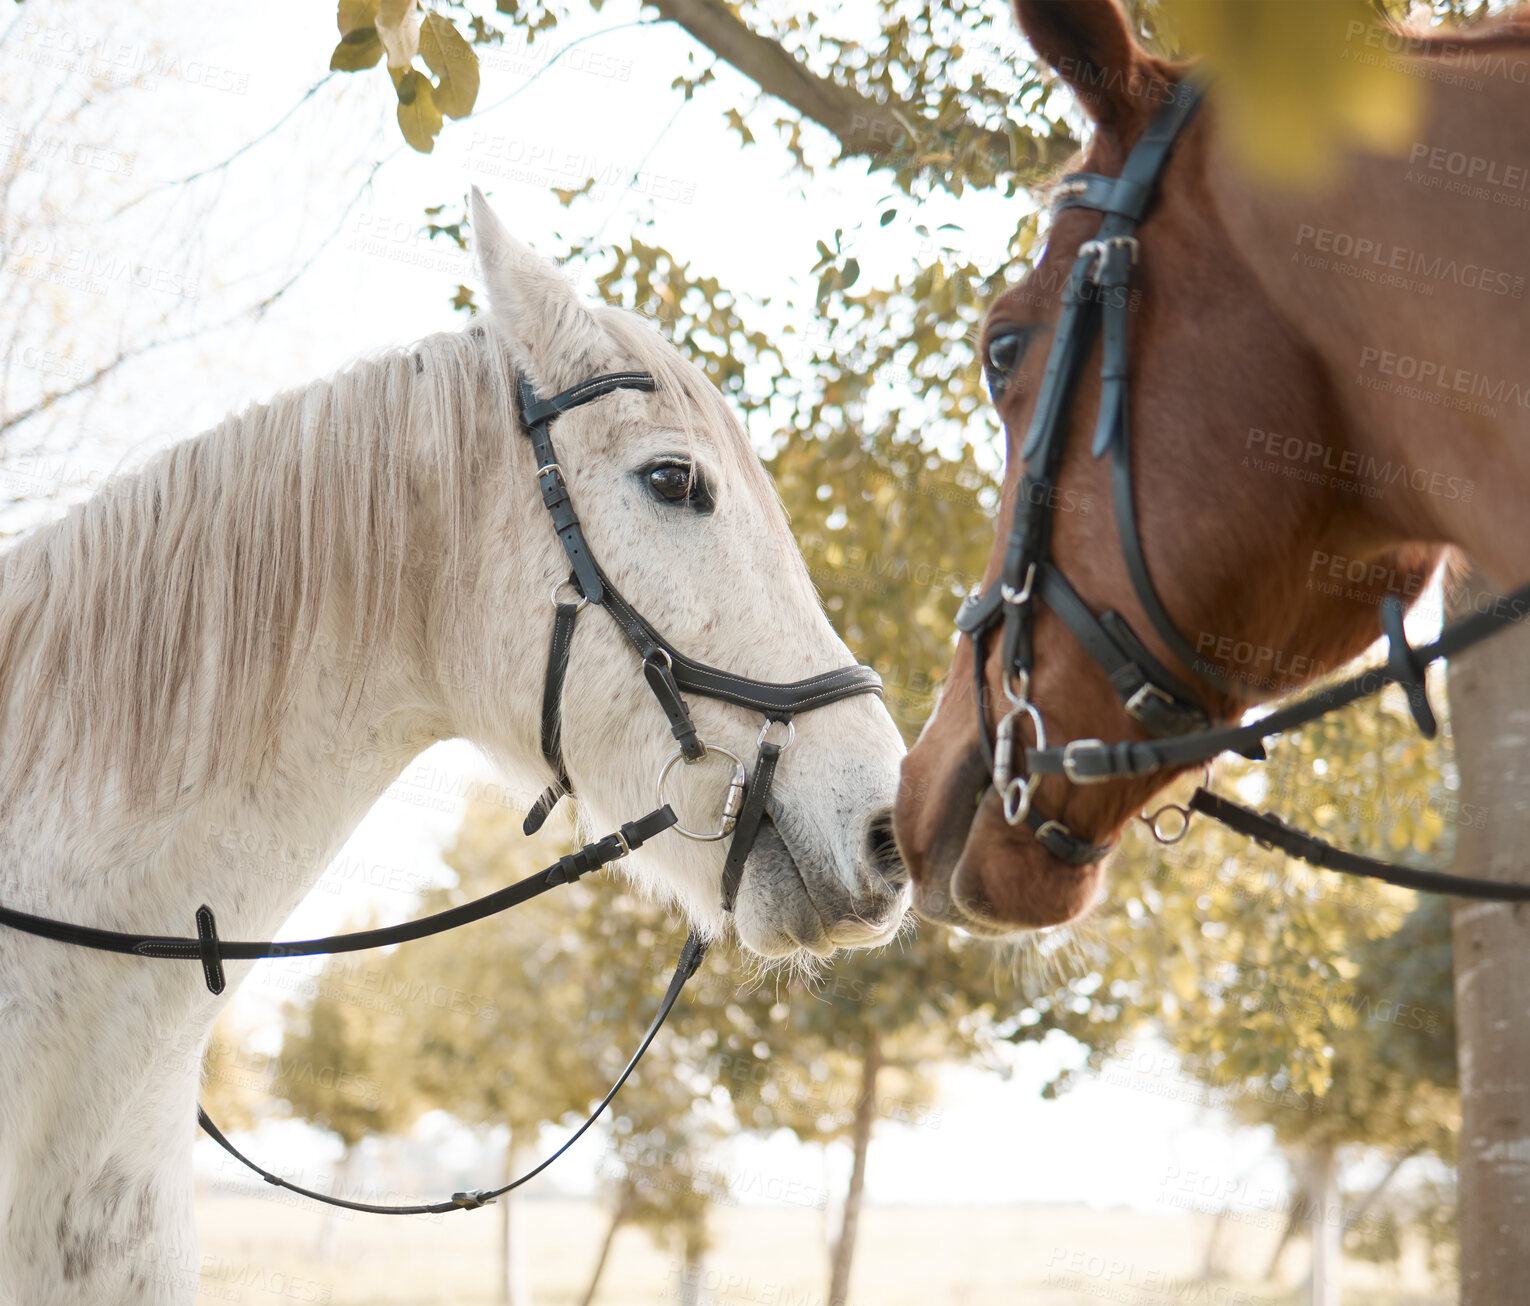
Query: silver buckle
x=1143, y=694
x=1070, y=760
x=1022, y=595
x=1050, y=826
x=1099, y=250
x=732, y=804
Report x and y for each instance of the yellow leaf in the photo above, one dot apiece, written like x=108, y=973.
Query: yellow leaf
x=398, y=26
x=358, y=49
x=354, y=15
x=1297, y=84
x=418, y=117
x=455, y=65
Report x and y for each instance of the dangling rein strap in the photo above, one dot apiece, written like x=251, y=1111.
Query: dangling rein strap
x=212, y=951
x=1272, y=832
x=691, y=957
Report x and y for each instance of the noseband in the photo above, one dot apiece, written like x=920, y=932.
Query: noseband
x=668, y=672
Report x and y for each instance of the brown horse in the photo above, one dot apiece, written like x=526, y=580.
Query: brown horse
x=1328, y=388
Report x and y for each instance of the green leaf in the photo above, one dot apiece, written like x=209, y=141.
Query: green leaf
x=888, y=216
x=851, y=274
x=355, y=15
x=418, y=117
x=455, y=65
x=358, y=49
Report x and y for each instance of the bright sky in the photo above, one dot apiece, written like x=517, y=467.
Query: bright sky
x=735, y=212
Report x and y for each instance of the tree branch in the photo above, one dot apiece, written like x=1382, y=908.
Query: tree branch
x=242, y=150
x=257, y=310
x=862, y=125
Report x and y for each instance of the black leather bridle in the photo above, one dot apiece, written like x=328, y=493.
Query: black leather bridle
x=1095, y=301
x=665, y=668
x=667, y=671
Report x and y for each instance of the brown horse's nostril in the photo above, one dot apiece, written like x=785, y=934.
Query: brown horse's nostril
x=882, y=849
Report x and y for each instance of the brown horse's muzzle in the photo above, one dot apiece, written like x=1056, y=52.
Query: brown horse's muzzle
x=970, y=868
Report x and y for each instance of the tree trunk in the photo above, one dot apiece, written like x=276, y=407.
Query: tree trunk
x=690, y=1280
x=514, y=1277
x=1325, y=1224
x=618, y=1217
x=860, y=1140
x=1209, y=1256
x=1490, y=718
x=328, y=1241
x=1293, y=1222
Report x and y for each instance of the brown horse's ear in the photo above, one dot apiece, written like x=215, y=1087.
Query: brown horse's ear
x=1090, y=46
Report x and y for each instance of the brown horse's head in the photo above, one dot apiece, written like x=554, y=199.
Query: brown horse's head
x=1242, y=556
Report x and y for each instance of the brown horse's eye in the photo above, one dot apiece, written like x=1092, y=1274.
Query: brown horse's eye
x=1005, y=350
x=679, y=483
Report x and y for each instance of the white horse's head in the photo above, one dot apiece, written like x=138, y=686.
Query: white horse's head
x=680, y=514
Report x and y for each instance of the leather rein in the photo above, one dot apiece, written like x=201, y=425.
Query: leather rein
x=667, y=672
x=1095, y=302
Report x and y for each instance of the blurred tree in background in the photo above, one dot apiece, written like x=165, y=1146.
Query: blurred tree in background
x=526, y=1019
x=1319, y=1006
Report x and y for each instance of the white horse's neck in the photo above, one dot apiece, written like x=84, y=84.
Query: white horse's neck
x=99, y=1055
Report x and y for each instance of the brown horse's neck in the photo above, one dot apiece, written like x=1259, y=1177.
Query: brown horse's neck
x=1409, y=277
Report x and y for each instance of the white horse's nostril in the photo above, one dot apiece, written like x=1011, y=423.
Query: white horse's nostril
x=881, y=849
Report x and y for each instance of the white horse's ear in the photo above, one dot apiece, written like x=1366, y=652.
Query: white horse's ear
x=552, y=331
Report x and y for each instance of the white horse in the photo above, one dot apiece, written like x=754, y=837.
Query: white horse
x=243, y=645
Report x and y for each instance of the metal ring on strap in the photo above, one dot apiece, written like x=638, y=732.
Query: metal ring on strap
x=791, y=733
x=582, y=603
x=731, y=804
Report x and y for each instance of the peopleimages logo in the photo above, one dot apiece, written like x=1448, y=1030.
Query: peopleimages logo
x=1347, y=469
x=1469, y=167
x=1388, y=258
x=1442, y=379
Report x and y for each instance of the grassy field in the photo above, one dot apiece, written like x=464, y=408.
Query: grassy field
x=258, y=1252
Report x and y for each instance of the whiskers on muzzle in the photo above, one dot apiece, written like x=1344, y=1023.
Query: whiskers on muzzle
x=789, y=902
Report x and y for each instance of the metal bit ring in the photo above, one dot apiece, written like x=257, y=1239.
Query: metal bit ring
x=731, y=804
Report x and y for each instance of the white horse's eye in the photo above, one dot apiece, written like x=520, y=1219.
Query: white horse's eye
x=679, y=482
